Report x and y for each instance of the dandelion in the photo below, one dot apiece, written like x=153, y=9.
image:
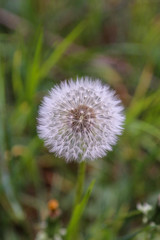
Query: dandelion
x=80, y=120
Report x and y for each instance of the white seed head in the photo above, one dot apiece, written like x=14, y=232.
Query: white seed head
x=80, y=120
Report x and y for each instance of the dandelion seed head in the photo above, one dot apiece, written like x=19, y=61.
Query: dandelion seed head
x=80, y=120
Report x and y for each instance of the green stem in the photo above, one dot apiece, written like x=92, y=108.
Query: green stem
x=80, y=181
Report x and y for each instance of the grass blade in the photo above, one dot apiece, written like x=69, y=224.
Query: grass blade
x=132, y=235
x=146, y=127
x=77, y=213
x=17, y=83
x=33, y=72
x=16, y=210
x=60, y=49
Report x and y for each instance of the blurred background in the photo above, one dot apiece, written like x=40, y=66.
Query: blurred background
x=43, y=42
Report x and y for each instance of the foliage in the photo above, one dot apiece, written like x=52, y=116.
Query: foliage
x=44, y=42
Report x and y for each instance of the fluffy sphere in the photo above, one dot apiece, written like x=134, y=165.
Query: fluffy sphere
x=80, y=120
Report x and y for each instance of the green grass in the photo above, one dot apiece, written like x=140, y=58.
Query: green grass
x=43, y=43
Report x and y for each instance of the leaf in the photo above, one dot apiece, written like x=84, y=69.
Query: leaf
x=60, y=49
x=130, y=236
x=16, y=210
x=37, y=72
x=142, y=105
x=32, y=79
x=146, y=127
x=17, y=83
x=77, y=214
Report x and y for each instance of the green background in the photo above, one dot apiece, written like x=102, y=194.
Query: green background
x=43, y=42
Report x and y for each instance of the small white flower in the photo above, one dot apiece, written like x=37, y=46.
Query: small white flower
x=144, y=208
x=80, y=120
x=42, y=236
x=57, y=237
x=153, y=225
x=62, y=231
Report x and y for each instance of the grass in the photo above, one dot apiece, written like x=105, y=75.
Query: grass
x=42, y=43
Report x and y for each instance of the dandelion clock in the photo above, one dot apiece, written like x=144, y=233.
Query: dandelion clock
x=80, y=120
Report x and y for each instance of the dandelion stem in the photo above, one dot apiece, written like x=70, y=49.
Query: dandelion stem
x=80, y=181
